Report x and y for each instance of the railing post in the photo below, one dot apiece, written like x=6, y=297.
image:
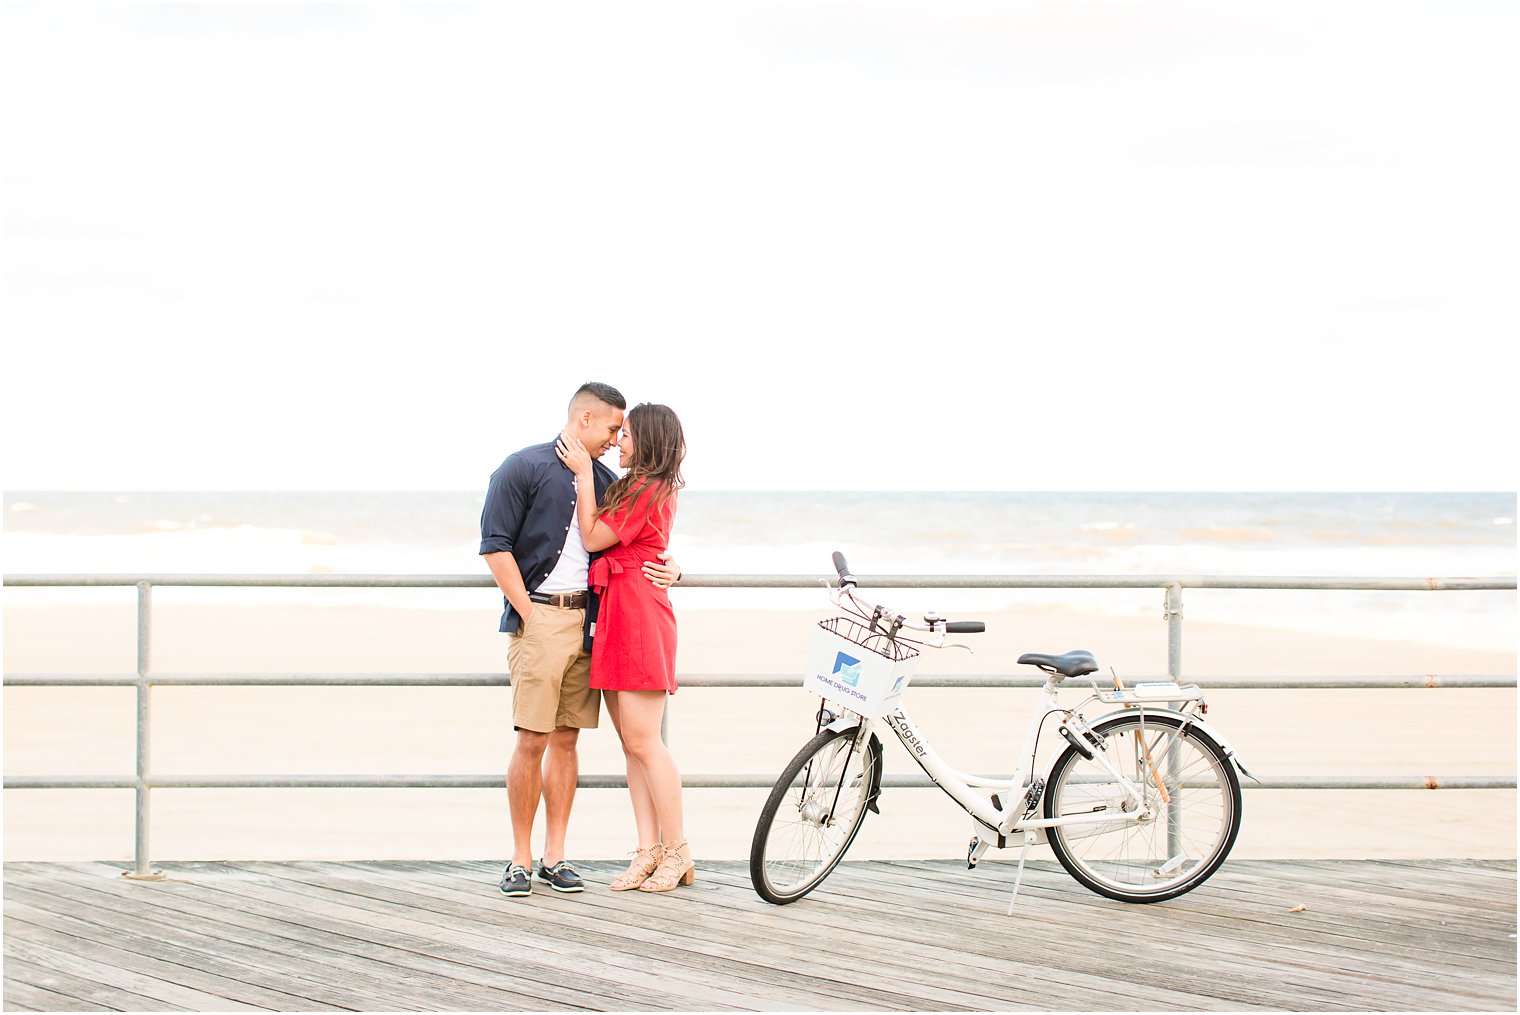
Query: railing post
x=1174, y=631
x=1174, y=763
x=140, y=869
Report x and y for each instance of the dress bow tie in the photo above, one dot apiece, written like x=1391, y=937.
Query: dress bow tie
x=601, y=572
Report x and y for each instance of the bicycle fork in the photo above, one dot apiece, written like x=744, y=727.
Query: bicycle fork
x=860, y=742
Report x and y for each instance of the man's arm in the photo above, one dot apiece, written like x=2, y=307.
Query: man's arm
x=509, y=579
x=500, y=523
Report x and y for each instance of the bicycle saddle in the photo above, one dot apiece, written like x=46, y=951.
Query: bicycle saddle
x=1072, y=664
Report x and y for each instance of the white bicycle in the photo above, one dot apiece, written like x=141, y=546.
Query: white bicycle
x=1142, y=805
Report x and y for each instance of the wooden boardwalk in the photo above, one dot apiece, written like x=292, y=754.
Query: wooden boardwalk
x=302, y=936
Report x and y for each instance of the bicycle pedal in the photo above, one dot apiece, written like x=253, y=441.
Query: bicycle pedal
x=1032, y=798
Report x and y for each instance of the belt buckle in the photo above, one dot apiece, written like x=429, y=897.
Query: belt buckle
x=564, y=600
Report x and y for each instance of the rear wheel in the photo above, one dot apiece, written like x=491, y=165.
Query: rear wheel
x=812, y=815
x=1171, y=840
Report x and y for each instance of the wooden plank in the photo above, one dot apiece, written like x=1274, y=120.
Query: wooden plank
x=1245, y=944
x=363, y=977
x=661, y=920
x=676, y=940
x=81, y=991
x=1285, y=977
x=856, y=951
x=205, y=944
x=1272, y=905
x=1046, y=956
x=486, y=963
x=768, y=939
x=488, y=920
x=30, y=939
x=991, y=925
x=777, y=950
x=21, y=995
x=1128, y=913
x=878, y=935
x=352, y=957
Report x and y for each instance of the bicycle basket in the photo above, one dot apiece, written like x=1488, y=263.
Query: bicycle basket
x=863, y=670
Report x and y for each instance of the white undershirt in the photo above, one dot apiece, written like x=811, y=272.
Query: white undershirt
x=569, y=574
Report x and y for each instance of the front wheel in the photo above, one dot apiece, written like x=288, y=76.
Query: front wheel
x=812, y=814
x=1171, y=839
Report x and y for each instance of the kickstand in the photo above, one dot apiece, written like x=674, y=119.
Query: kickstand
x=1018, y=877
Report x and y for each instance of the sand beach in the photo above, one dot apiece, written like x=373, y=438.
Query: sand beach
x=327, y=730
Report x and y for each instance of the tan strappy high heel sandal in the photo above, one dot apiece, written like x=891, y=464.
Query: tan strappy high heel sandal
x=645, y=862
x=675, y=869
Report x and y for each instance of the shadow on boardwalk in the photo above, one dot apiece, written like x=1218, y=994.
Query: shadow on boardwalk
x=1411, y=935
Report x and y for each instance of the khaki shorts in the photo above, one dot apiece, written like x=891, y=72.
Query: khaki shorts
x=551, y=675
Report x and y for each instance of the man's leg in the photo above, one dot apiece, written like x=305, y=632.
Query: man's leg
x=579, y=708
x=561, y=771
x=525, y=785
x=536, y=668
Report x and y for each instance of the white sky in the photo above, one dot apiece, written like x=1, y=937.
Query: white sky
x=911, y=245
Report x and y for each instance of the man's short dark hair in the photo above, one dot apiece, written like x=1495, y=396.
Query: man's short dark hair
x=601, y=392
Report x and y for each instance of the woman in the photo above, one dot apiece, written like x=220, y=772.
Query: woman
x=633, y=654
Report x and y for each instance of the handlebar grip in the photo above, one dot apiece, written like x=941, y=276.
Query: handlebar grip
x=845, y=578
x=965, y=627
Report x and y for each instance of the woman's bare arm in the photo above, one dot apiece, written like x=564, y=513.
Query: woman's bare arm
x=595, y=533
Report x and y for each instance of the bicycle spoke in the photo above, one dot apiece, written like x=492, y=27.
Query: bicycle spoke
x=1181, y=830
x=813, y=816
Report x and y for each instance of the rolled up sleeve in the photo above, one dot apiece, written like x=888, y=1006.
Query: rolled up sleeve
x=506, y=506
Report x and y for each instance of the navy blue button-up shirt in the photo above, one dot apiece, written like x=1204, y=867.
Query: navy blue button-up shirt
x=530, y=506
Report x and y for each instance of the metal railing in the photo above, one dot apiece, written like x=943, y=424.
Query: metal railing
x=144, y=780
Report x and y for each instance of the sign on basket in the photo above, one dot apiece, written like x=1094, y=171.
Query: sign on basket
x=862, y=670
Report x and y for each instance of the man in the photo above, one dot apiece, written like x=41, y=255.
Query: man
x=531, y=541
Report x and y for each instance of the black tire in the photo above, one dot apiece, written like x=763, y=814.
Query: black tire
x=812, y=815
x=1172, y=847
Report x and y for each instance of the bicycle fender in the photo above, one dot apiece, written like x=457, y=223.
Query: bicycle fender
x=1187, y=720
x=875, y=745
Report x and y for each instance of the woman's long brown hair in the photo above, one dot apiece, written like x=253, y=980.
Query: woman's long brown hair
x=659, y=447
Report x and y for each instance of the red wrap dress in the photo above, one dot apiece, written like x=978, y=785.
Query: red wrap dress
x=635, y=644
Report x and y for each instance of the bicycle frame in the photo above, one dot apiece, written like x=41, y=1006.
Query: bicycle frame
x=963, y=787
x=1145, y=822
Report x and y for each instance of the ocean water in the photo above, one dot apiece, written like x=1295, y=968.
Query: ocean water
x=1042, y=533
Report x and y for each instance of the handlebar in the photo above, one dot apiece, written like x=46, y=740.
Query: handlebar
x=845, y=578
x=878, y=614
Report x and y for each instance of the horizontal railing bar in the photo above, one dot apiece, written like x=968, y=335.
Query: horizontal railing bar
x=778, y=581
x=266, y=680
x=143, y=782
x=735, y=781
x=1426, y=680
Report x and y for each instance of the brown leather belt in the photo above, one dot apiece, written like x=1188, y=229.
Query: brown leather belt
x=566, y=600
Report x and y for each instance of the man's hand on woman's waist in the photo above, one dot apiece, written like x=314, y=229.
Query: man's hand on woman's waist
x=663, y=576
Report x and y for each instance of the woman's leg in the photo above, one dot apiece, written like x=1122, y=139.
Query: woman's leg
x=639, y=714
x=645, y=817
